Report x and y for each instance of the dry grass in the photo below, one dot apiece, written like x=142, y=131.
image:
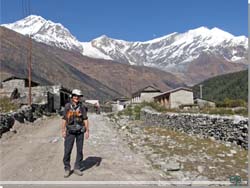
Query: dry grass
x=6, y=105
x=214, y=157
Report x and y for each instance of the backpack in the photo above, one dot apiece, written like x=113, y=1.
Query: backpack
x=75, y=120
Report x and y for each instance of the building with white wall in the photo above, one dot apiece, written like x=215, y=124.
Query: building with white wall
x=204, y=103
x=145, y=94
x=175, y=98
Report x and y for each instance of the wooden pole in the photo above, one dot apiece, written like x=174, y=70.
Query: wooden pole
x=29, y=68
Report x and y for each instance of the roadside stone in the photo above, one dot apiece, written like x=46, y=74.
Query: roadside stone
x=177, y=175
x=200, y=169
x=233, y=151
x=201, y=178
x=54, y=139
x=221, y=155
x=6, y=123
x=171, y=166
x=13, y=130
x=229, y=154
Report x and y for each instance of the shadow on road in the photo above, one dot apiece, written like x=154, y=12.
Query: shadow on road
x=90, y=162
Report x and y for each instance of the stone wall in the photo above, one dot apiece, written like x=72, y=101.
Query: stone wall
x=225, y=128
x=22, y=115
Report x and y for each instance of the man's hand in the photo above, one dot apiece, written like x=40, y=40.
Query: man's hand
x=86, y=134
x=64, y=133
x=64, y=128
x=86, y=123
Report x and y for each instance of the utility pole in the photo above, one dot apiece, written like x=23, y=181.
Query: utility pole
x=131, y=83
x=201, y=91
x=29, y=69
x=130, y=90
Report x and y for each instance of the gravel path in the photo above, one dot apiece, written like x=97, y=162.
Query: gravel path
x=35, y=153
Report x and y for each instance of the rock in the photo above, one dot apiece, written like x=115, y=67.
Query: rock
x=124, y=127
x=171, y=166
x=229, y=154
x=54, y=139
x=212, y=138
x=201, y=178
x=221, y=155
x=28, y=115
x=212, y=167
x=233, y=151
x=6, y=123
x=228, y=144
x=19, y=116
x=244, y=170
x=200, y=169
x=177, y=175
x=13, y=130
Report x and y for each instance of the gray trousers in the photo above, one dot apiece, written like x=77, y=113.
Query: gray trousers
x=68, y=146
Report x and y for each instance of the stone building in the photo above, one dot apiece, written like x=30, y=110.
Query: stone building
x=175, y=98
x=204, y=103
x=54, y=96
x=145, y=94
x=120, y=103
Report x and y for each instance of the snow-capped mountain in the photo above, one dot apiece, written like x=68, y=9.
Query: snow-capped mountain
x=170, y=52
x=175, y=49
x=46, y=31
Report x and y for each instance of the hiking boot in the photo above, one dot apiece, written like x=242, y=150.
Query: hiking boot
x=66, y=173
x=78, y=172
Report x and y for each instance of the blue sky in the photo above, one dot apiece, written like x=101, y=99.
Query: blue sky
x=133, y=20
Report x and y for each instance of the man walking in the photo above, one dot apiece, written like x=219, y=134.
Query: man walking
x=74, y=126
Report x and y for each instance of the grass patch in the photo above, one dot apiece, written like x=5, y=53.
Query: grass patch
x=6, y=105
x=225, y=111
x=134, y=110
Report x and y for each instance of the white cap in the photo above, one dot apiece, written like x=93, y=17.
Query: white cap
x=77, y=92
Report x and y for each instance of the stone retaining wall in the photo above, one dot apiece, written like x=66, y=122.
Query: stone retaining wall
x=225, y=128
x=25, y=113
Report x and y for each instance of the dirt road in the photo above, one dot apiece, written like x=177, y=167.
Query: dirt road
x=35, y=153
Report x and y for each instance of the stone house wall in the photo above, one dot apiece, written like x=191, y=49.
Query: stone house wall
x=181, y=97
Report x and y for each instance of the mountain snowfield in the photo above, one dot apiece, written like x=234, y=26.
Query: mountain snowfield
x=170, y=52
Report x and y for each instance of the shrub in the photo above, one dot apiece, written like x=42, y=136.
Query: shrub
x=154, y=105
x=225, y=111
x=232, y=103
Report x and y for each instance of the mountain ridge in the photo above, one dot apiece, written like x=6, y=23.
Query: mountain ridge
x=98, y=78
x=175, y=52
